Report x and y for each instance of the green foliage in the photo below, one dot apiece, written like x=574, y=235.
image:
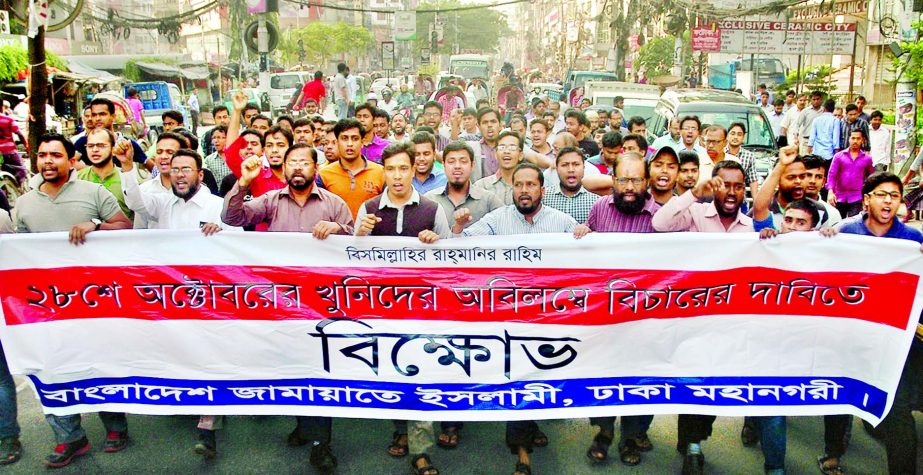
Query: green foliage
x=14, y=58
x=815, y=78
x=913, y=55
x=480, y=29
x=323, y=41
x=133, y=73
x=656, y=56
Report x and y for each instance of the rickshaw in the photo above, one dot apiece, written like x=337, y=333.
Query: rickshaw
x=364, y=81
x=510, y=98
x=442, y=96
x=123, y=119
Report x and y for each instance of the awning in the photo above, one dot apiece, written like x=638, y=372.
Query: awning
x=99, y=76
x=195, y=72
x=159, y=69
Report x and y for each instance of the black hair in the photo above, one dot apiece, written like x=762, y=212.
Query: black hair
x=638, y=139
x=741, y=125
x=188, y=152
x=878, y=178
x=132, y=92
x=303, y=121
x=173, y=114
x=487, y=110
x=105, y=102
x=218, y=109
x=509, y=133
x=457, y=146
x=343, y=125
x=829, y=105
x=288, y=118
x=565, y=151
x=250, y=106
x=808, y=206
x=530, y=166
x=276, y=129
x=379, y=113
x=612, y=139
x=542, y=122
x=298, y=146
x=341, y=67
x=815, y=161
x=398, y=148
x=220, y=128
x=108, y=132
x=430, y=104
x=636, y=120
x=365, y=106
x=778, y=102
x=698, y=123
x=421, y=137
x=817, y=94
x=470, y=112
x=174, y=136
x=254, y=132
x=318, y=75
x=850, y=107
x=260, y=117
x=876, y=114
x=727, y=165
x=55, y=137
x=577, y=114
x=686, y=156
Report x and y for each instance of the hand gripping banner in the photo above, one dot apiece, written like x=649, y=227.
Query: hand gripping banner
x=502, y=328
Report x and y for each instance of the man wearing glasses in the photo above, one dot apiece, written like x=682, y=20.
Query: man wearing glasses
x=689, y=128
x=629, y=209
x=509, y=154
x=881, y=197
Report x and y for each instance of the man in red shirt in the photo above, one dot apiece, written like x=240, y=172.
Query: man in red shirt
x=313, y=90
x=11, y=161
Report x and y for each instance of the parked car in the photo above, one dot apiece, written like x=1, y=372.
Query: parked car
x=254, y=96
x=720, y=108
x=280, y=88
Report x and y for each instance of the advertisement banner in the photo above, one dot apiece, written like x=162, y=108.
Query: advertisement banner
x=782, y=37
x=904, y=121
x=405, y=26
x=502, y=328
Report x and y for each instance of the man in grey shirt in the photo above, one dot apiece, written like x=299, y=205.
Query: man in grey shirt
x=458, y=199
x=806, y=118
x=64, y=203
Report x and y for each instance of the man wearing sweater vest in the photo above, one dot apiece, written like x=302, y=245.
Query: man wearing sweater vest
x=401, y=211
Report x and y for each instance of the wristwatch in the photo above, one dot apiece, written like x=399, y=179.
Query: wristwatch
x=97, y=222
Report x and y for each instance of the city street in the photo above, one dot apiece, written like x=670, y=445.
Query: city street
x=163, y=444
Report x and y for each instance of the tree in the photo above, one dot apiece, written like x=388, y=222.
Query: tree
x=632, y=19
x=323, y=41
x=479, y=29
x=14, y=59
x=656, y=56
x=913, y=55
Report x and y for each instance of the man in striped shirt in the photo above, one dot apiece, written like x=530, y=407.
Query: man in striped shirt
x=526, y=215
x=571, y=197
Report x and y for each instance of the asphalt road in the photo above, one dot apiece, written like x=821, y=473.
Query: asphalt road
x=250, y=444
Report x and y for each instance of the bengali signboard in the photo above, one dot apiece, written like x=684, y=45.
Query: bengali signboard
x=904, y=121
x=706, y=39
x=489, y=328
x=780, y=37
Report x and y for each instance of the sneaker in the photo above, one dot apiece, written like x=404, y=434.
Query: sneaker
x=115, y=441
x=749, y=436
x=206, y=445
x=322, y=459
x=64, y=454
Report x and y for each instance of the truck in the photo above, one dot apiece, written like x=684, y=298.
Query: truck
x=470, y=66
x=768, y=71
x=640, y=99
x=157, y=98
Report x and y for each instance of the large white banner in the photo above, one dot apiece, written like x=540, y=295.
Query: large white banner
x=512, y=327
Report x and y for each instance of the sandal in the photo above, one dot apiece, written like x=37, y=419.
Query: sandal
x=599, y=449
x=448, y=439
x=644, y=442
x=834, y=469
x=630, y=453
x=10, y=450
x=523, y=469
x=397, y=449
x=426, y=469
x=539, y=439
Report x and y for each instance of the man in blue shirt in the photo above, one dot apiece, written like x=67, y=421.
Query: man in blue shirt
x=825, y=133
x=881, y=195
x=427, y=176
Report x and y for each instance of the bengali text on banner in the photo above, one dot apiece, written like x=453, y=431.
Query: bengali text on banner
x=502, y=328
